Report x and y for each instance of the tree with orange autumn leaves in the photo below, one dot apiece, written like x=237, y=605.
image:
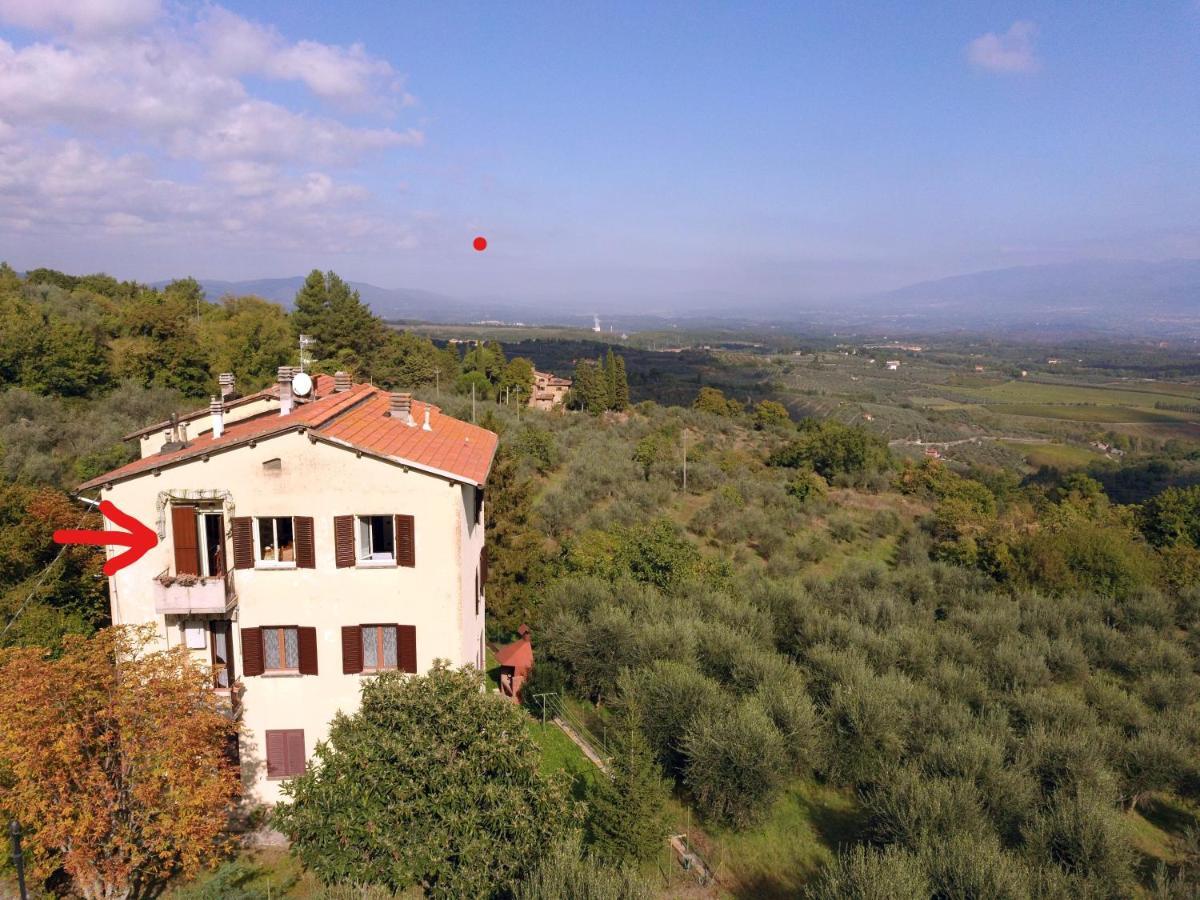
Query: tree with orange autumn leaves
x=113, y=760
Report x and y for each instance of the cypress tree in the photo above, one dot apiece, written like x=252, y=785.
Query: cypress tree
x=627, y=822
x=620, y=386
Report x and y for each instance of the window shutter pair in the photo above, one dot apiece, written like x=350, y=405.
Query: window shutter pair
x=352, y=652
x=243, y=542
x=344, y=550
x=285, y=753
x=187, y=540
x=253, y=656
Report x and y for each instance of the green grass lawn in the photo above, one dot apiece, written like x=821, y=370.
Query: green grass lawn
x=1060, y=456
x=780, y=855
x=1042, y=393
x=1101, y=414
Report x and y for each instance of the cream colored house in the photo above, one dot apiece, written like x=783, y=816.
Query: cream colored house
x=549, y=390
x=305, y=546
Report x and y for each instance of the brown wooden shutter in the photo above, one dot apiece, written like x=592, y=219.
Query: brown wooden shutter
x=483, y=566
x=352, y=650
x=406, y=544
x=243, y=542
x=252, y=651
x=295, y=751
x=308, y=650
x=187, y=541
x=277, y=754
x=343, y=541
x=306, y=554
x=406, y=647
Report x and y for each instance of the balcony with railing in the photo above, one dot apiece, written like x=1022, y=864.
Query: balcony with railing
x=192, y=595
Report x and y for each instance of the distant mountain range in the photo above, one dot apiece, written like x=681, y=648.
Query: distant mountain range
x=1089, y=295
x=1100, y=296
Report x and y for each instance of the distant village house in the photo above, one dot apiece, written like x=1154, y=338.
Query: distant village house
x=549, y=390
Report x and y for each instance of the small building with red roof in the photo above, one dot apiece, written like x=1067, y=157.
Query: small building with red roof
x=516, y=662
x=310, y=535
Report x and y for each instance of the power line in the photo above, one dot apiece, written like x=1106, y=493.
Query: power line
x=41, y=578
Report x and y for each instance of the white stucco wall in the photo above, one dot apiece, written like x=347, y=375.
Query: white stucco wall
x=437, y=596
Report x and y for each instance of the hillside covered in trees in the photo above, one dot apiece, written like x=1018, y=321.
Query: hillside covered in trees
x=990, y=682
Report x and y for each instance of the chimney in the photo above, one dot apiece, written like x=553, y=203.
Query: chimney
x=341, y=382
x=228, y=391
x=401, y=408
x=183, y=432
x=218, y=419
x=285, y=390
x=426, y=427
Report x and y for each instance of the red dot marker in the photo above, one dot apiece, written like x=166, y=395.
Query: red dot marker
x=480, y=244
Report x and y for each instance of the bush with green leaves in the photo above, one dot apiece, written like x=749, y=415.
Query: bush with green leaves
x=735, y=763
x=567, y=872
x=432, y=783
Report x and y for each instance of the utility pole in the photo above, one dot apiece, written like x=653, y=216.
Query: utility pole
x=685, y=460
x=543, y=697
x=518, y=393
x=437, y=381
x=472, y=403
x=18, y=858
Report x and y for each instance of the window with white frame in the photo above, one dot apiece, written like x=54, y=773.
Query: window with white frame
x=276, y=541
x=377, y=539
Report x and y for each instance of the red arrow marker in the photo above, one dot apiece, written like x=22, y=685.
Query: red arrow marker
x=136, y=536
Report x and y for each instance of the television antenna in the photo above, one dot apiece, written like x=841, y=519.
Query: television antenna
x=305, y=342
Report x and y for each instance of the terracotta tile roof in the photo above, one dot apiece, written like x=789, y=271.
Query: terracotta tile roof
x=353, y=419
x=518, y=654
x=322, y=387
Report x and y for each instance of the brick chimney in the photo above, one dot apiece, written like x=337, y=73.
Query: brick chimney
x=228, y=388
x=216, y=410
x=341, y=382
x=285, y=390
x=401, y=408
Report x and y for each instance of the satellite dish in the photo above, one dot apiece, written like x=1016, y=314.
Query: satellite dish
x=301, y=384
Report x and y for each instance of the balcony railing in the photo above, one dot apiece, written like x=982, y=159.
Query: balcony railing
x=191, y=595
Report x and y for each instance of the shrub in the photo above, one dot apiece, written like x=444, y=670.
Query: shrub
x=566, y=873
x=843, y=529
x=1087, y=840
x=910, y=809
x=671, y=695
x=786, y=704
x=735, y=763
x=865, y=874
x=432, y=783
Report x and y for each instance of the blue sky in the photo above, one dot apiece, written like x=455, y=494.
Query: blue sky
x=633, y=153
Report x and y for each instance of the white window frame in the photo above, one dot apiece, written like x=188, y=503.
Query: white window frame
x=363, y=532
x=259, y=562
x=202, y=539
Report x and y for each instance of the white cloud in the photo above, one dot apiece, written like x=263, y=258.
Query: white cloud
x=1011, y=52
x=239, y=47
x=85, y=17
x=126, y=123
